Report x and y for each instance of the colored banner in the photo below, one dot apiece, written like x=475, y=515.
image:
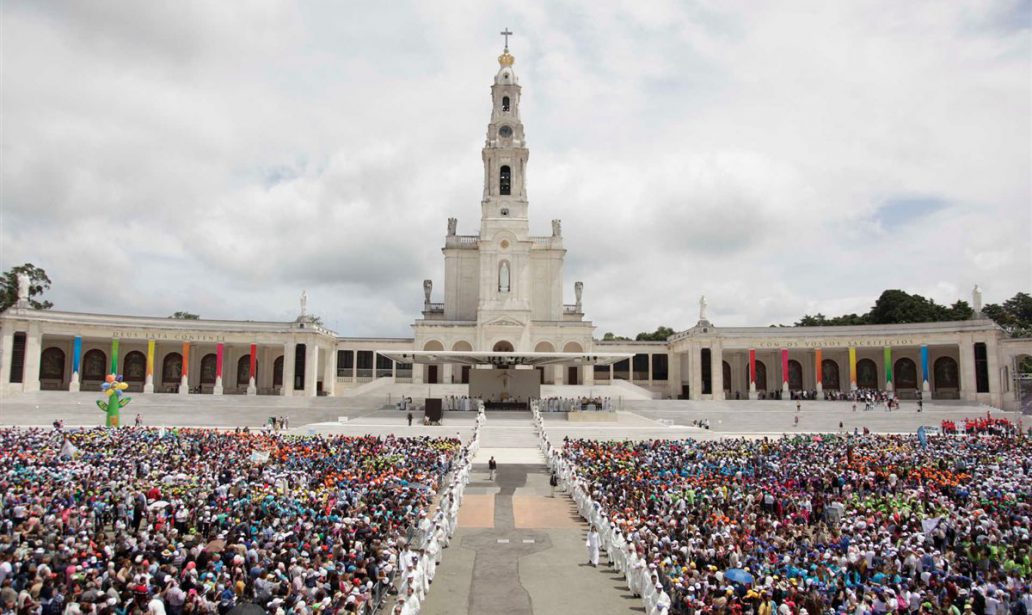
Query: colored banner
x=784, y=365
x=150, y=357
x=76, y=354
x=114, y=356
x=852, y=366
x=254, y=360
x=752, y=366
x=186, y=359
x=818, y=367
x=218, y=360
x=887, y=355
x=924, y=363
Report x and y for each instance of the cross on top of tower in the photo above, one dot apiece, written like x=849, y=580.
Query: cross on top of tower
x=506, y=33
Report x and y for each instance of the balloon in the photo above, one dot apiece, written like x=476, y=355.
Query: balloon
x=112, y=388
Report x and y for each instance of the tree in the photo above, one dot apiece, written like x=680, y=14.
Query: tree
x=185, y=316
x=659, y=335
x=894, y=307
x=820, y=320
x=38, y=284
x=1014, y=315
x=1025, y=366
x=610, y=337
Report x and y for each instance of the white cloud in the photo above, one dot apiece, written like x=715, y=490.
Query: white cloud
x=219, y=161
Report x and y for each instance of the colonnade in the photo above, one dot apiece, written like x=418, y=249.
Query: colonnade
x=32, y=361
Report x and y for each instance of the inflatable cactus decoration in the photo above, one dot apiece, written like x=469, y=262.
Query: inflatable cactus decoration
x=113, y=401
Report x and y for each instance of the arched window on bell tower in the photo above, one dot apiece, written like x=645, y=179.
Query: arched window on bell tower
x=505, y=180
x=505, y=103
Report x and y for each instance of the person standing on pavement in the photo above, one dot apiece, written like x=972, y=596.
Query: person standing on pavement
x=553, y=482
x=592, y=543
x=410, y=419
x=493, y=466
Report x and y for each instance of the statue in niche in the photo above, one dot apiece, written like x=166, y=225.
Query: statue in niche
x=557, y=228
x=503, y=277
x=578, y=290
x=453, y=224
x=428, y=286
x=304, y=303
x=702, y=307
x=976, y=299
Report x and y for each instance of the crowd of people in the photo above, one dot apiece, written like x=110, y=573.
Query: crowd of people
x=811, y=524
x=464, y=403
x=868, y=396
x=276, y=423
x=138, y=520
x=987, y=425
x=575, y=404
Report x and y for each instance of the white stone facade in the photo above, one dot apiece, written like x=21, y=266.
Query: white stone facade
x=503, y=287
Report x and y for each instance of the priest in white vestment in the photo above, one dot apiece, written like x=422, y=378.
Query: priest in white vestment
x=592, y=543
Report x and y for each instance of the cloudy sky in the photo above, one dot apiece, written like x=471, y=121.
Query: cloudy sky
x=782, y=158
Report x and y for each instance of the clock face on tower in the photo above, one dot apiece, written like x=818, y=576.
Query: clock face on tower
x=505, y=132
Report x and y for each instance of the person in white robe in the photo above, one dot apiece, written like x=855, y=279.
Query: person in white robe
x=662, y=604
x=593, y=543
x=634, y=571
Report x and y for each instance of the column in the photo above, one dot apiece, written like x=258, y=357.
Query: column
x=417, y=372
x=673, y=374
x=818, y=372
x=966, y=354
x=887, y=360
x=73, y=386
x=219, y=351
x=114, y=357
x=925, y=387
x=252, y=375
x=354, y=368
x=33, y=349
x=649, y=355
x=148, y=383
x=288, y=369
x=716, y=370
x=446, y=370
x=752, y=373
x=695, y=367
x=184, y=382
x=852, y=368
x=996, y=384
x=312, y=368
x=784, y=373
x=330, y=372
x=6, y=354
x=589, y=375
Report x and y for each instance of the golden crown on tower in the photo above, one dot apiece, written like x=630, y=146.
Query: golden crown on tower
x=506, y=59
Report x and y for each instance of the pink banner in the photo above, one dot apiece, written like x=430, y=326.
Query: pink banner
x=819, y=368
x=752, y=366
x=254, y=359
x=784, y=365
x=218, y=360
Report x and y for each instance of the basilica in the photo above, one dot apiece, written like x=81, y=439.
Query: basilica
x=504, y=306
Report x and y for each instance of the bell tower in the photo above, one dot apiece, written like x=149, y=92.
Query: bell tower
x=505, y=154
